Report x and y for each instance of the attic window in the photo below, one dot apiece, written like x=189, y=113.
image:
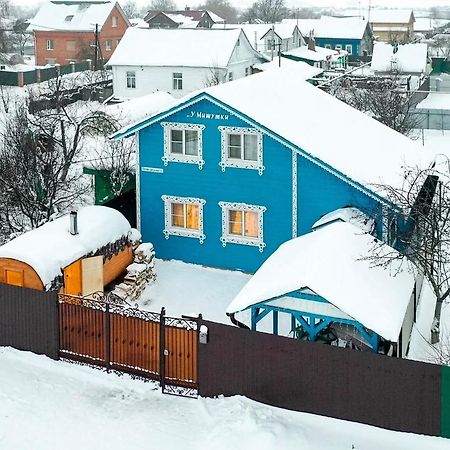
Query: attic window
x=68, y=18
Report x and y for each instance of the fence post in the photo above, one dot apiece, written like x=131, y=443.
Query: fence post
x=20, y=79
x=107, y=337
x=162, y=348
x=72, y=67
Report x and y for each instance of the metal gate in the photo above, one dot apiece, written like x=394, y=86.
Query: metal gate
x=99, y=330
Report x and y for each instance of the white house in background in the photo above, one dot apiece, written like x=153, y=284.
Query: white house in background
x=407, y=59
x=179, y=61
x=268, y=39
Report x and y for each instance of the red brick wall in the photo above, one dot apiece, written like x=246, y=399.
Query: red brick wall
x=68, y=44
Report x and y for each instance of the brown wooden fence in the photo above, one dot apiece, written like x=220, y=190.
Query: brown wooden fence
x=131, y=340
x=29, y=320
x=363, y=387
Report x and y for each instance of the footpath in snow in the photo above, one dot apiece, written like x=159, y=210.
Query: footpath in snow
x=46, y=405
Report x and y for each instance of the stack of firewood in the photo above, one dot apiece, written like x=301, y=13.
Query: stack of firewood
x=139, y=274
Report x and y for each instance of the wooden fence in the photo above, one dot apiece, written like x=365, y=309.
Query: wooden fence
x=130, y=340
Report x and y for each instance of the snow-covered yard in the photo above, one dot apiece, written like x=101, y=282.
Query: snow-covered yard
x=46, y=405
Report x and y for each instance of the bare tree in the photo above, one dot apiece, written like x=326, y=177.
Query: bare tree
x=161, y=5
x=131, y=9
x=423, y=234
x=267, y=11
x=215, y=76
x=382, y=99
x=223, y=8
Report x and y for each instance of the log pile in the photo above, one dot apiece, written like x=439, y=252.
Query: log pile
x=138, y=274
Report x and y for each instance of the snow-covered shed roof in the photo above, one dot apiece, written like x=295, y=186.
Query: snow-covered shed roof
x=391, y=15
x=317, y=55
x=72, y=15
x=348, y=214
x=410, y=58
x=305, y=71
x=198, y=47
x=373, y=154
x=51, y=247
x=328, y=261
x=332, y=27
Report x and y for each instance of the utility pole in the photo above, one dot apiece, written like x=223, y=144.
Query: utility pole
x=272, y=46
x=96, y=42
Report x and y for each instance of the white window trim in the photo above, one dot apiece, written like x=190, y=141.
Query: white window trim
x=108, y=45
x=349, y=49
x=114, y=22
x=240, y=163
x=131, y=77
x=228, y=238
x=52, y=46
x=190, y=159
x=169, y=230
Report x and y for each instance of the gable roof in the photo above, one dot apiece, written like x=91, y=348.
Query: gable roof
x=409, y=58
x=185, y=18
x=71, y=15
x=315, y=123
x=255, y=32
x=199, y=47
x=332, y=27
x=330, y=262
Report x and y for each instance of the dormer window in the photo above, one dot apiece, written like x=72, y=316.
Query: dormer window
x=68, y=18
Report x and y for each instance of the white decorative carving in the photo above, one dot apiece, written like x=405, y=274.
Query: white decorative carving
x=294, y=194
x=234, y=239
x=169, y=230
x=190, y=159
x=240, y=163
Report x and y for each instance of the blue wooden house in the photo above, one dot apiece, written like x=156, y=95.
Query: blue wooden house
x=229, y=173
x=352, y=34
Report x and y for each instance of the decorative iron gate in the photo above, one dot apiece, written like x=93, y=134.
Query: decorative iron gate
x=100, y=330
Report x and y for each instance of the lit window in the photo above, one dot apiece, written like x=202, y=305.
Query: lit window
x=242, y=148
x=50, y=44
x=178, y=81
x=183, y=216
x=114, y=21
x=183, y=143
x=242, y=224
x=108, y=45
x=131, y=80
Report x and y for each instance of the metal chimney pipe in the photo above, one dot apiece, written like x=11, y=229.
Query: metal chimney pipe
x=73, y=223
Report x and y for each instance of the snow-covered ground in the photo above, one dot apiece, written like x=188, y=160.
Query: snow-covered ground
x=46, y=405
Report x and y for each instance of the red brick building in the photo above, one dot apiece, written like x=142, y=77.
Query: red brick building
x=64, y=30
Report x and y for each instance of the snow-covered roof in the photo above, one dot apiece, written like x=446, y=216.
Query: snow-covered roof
x=409, y=58
x=305, y=71
x=175, y=47
x=332, y=27
x=374, y=154
x=390, y=15
x=51, y=247
x=350, y=215
x=317, y=55
x=215, y=17
x=71, y=15
x=428, y=24
x=140, y=107
x=328, y=261
x=255, y=32
x=436, y=100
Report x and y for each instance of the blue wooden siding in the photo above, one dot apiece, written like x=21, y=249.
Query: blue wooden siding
x=319, y=192
x=355, y=43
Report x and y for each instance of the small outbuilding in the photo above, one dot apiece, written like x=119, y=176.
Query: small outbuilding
x=323, y=286
x=77, y=254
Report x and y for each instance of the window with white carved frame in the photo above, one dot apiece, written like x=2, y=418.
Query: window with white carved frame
x=183, y=143
x=242, y=224
x=349, y=49
x=183, y=216
x=177, y=81
x=50, y=44
x=241, y=148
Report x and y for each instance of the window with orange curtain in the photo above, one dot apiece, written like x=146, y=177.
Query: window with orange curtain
x=243, y=223
x=185, y=216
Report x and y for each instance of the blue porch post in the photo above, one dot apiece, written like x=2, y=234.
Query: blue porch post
x=275, y=322
x=254, y=315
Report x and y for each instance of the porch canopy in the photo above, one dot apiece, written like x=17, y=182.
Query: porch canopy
x=330, y=262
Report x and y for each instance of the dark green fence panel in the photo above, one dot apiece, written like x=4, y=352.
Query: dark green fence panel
x=64, y=70
x=48, y=73
x=445, y=402
x=29, y=77
x=79, y=67
x=8, y=78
